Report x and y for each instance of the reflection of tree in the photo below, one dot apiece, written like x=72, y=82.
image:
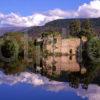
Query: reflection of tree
x=74, y=80
x=91, y=74
x=15, y=67
x=84, y=79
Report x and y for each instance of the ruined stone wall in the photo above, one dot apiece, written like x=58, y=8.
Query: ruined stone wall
x=64, y=46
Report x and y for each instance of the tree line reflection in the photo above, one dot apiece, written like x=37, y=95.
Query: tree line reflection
x=64, y=69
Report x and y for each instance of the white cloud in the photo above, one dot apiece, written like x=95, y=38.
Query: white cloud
x=59, y=12
x=33, y=20
x=91, y=10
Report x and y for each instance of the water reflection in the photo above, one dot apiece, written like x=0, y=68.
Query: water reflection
x=55, y=74
x=63, y=68
x=37, y=80
x=59, y=64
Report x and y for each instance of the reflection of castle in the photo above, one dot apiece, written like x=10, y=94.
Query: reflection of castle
x=59, y=64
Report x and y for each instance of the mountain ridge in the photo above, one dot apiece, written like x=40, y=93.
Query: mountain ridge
x=56, y=25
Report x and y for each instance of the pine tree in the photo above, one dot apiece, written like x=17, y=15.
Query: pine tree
x=86, y=27
x=75, y=27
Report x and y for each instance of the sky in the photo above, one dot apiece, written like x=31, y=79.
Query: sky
x=38, y=12
x=28, y=7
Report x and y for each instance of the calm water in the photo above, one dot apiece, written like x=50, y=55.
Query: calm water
x=59, y=78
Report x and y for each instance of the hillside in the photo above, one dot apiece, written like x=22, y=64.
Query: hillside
x=55, y=25
x=63, y=23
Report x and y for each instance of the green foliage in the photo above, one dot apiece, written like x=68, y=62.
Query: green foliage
x=45, y=34
x=86, y=27
x=75, y=27
x=31, y=49
x=93, y=49
x=9, y=48
x=83, y=28
x=14, y=44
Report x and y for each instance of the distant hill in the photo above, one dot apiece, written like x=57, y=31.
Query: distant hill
x=63, y=23
x=4, y=30
x=56, y=25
